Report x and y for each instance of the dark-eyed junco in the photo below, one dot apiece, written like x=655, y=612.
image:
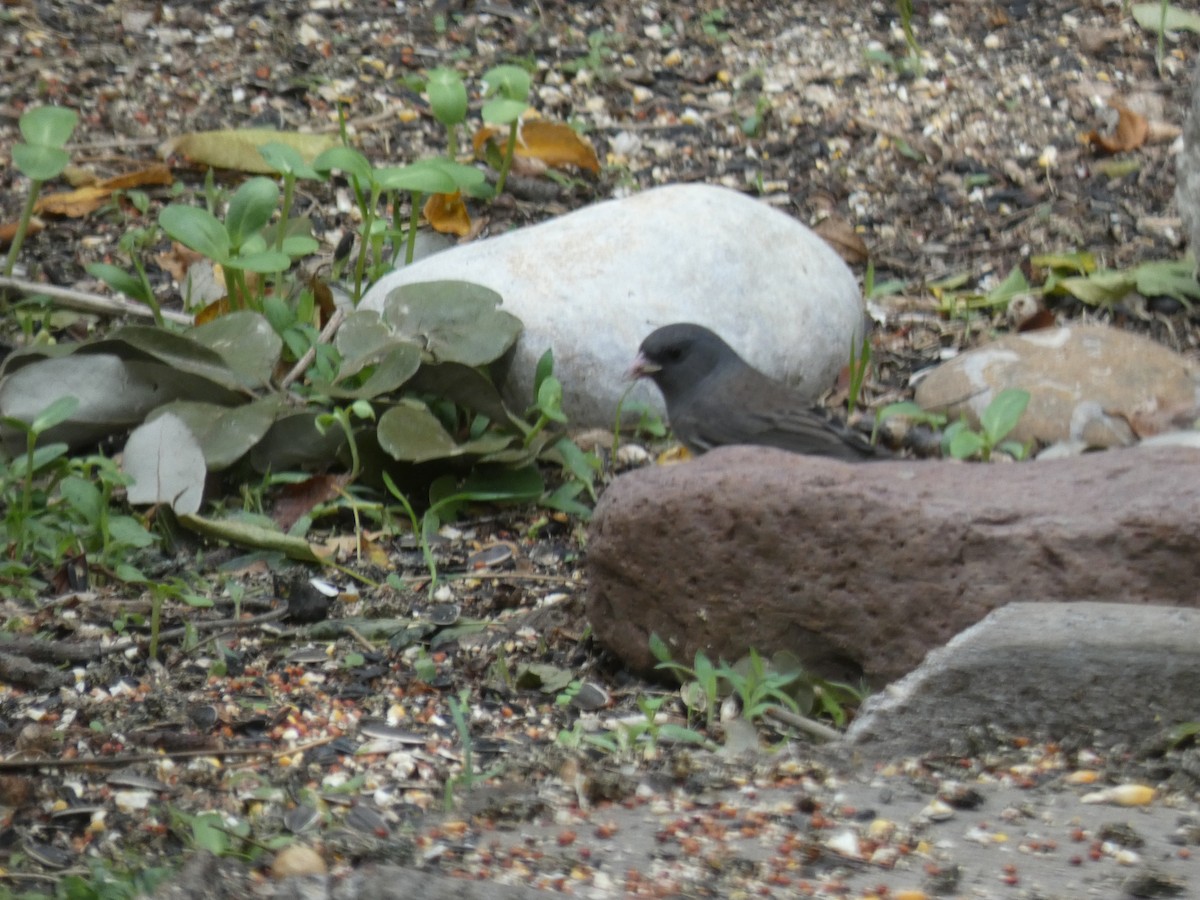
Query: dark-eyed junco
x=714, y=397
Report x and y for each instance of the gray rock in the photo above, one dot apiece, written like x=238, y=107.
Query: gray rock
x=1102, y=672
x=593, y=283
x=864, y=569
x=1092, y=384
x=1187, y=169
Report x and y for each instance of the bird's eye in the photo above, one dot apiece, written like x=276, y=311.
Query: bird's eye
x=675, y=354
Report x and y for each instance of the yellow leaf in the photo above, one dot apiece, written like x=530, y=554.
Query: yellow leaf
x=554, y=143
x=238, y=148
x=448, y=214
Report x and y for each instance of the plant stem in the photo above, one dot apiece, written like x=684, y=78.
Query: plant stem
x=19, y=237
x=414, y=219
x=509, y=150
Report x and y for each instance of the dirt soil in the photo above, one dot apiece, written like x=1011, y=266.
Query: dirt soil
x=963, y=170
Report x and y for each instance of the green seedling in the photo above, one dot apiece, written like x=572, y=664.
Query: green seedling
x=759, y=685
x=41, y=157
x=507, y=88
x=238, y=244
x=905, y=9
x=448, y=100
x=995, y=422
x=370, y=185
x=135, y=243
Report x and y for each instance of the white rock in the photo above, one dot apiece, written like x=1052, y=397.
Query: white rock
x=592, y=284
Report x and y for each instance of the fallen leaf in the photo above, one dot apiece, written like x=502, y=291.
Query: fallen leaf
x=556, y=144
x=297, y=499
x=448, y=214
x=83, y=200
x=238, y=148
x=1130, y=133
x=8, y=230
x=841, y=236
x=73, y=204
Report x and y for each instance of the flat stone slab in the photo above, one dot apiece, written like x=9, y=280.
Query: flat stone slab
x=862, y=570
x=1098, y=672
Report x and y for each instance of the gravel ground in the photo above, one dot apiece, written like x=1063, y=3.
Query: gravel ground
x=963, y=170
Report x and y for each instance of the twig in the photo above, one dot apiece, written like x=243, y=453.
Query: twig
x=808, y=726
x=22, y=765
x=92, y=303
x=327, y=333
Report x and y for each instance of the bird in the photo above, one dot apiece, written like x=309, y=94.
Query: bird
x=715, y=398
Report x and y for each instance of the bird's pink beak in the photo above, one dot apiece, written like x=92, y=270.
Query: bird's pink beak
x=642, y=368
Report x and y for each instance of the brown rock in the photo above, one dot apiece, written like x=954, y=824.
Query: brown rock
x=1087, y=383
x=864, y=569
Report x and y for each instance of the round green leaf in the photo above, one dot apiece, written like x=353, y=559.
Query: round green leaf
x=48, y=126
x=38, y=162
x=503, y=111
x=409, y=432
x=512, y=82
x=456, y=321
x=447, y=96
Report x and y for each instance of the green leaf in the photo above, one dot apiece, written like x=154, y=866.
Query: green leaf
x=48, y=126
x=489, y=485
x=965, y=444
x=563, y=499
x=119, y=280
x=58, y=411
x=246, y=342
x=447, y=96
x=1169, y=278
x=549, y=400
x=39, y=163
x=419, y=177
x=502, y=111
x=129, y=531
x=286, y=160
x=249, y=535
x=659, y=649
x=197, y=229
x=545, y=368
x=250, y=209
x=1081, y=263
x=1002, y=414
x=346, y=160
x=84, y=497
x=1102, y=288
x=508, y=81
x=264, y=262
x=298, y=245
x=1151, y=17
x=411, y=433
x=224, y=433
x=1014, y=283
x=455, y=321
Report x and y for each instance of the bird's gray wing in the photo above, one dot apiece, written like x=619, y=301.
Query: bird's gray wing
x=765, y=413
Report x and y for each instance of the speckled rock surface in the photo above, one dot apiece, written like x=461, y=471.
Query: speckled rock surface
x=1088, y=383
x=1043, y=670
x=864, y=569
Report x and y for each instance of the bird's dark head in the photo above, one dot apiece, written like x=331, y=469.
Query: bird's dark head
x=675, y=357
